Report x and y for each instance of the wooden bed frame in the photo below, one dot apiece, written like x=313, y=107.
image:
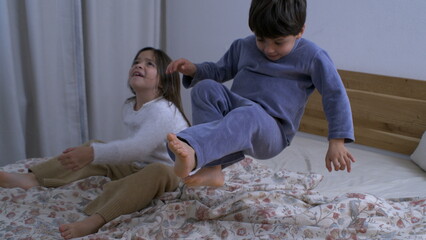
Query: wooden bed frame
x=388, y=112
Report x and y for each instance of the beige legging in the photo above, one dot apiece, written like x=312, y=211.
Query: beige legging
x=130, y=189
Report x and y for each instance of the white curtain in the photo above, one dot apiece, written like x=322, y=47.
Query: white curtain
x=63, y=70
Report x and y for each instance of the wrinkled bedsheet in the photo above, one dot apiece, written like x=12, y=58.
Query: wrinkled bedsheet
x=255, y=203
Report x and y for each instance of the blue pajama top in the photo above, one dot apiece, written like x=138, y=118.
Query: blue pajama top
x=282, y=87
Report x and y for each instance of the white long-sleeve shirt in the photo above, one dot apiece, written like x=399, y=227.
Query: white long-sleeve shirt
x=148, y=128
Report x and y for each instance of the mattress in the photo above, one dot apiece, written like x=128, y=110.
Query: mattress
x=289, y=197
x=378, y=172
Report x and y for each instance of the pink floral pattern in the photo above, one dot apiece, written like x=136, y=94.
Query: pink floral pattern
x=255, y=203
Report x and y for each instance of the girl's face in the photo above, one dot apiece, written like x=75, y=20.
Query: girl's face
x=143, y=76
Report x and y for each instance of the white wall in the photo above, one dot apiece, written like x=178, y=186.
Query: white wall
x=385, y=37
x=202, y=30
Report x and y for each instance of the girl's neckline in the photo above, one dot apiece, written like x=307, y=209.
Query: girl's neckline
x=145, y=104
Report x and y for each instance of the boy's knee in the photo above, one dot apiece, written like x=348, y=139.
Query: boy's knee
x=205, y=88
x=207, y=83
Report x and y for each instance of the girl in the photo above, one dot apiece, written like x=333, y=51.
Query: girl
x=139, y=166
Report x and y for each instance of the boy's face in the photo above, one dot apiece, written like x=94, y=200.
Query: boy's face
x=276, y=48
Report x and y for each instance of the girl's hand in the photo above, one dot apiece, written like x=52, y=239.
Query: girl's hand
x=338, y=156
x=76, y=158
x=183, y=66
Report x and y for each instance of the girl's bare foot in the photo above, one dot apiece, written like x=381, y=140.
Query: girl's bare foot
x=82, y=228
x=18, y=180
x=206, y=176
x=184, y=155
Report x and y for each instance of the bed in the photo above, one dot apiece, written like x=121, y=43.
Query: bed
x=291, y=196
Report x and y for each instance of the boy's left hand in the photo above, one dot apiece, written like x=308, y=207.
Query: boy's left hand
x=338, y=156
x=76, y=158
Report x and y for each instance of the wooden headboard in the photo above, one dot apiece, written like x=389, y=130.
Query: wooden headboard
x=388, y=112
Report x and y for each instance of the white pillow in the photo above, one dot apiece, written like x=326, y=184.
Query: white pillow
x=419, y=155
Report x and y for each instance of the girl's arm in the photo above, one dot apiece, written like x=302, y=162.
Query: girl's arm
x=149, y=138
x=76, y=158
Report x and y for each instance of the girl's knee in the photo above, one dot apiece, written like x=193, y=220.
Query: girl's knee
x=160, y=170
x=164, y=176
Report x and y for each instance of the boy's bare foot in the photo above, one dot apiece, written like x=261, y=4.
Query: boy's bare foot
x=206, y=176
x=82, y=228
x=18, y=180
x=184, y=155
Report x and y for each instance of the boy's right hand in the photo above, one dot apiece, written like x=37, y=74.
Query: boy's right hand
x=183, y=66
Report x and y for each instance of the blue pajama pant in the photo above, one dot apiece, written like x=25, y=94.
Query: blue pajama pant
x=226, y=126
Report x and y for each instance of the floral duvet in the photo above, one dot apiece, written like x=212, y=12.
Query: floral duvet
x=255, y=203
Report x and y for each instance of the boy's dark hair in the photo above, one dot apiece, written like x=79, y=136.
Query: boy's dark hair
x=170, y=83
x=277, y=18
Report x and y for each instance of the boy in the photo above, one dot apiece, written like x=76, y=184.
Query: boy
x=274, y=71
